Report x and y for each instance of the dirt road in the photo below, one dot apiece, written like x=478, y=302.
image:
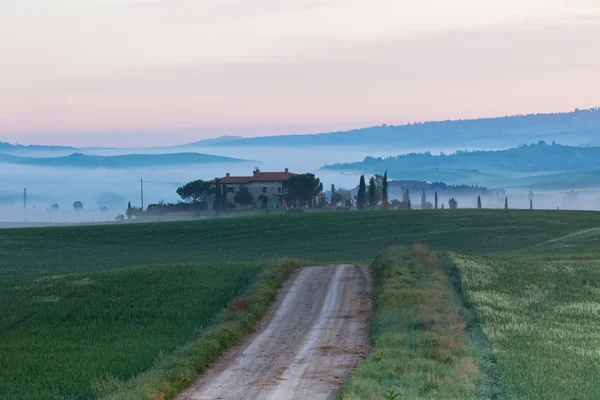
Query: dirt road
x=316, y=333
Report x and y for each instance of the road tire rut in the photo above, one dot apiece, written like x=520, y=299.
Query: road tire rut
x=315, y=334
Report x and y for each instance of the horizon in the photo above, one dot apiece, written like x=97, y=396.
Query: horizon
x=232, y=68
x=241, y=135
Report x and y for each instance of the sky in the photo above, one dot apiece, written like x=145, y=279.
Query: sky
x=164, y=72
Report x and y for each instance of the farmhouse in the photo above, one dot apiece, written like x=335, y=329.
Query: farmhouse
x=267, y=188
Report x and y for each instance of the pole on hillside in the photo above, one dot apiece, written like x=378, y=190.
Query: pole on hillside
x=142, y=192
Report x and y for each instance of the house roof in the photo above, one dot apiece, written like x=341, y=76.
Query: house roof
x=258, y=176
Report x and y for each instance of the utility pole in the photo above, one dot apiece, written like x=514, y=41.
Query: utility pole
x=142, y=192
x=25, y=205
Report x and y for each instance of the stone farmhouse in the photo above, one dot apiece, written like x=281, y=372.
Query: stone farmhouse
x=266, y=187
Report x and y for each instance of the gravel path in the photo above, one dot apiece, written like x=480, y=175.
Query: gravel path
x=316, y=332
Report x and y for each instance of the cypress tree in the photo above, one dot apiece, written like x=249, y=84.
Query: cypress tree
x=372, y=192
x=479, y=202
x=506, y=203
x=217, y=206
x=409, y=206
x=332, y=192
x=384, y=189
x=362, y=193
x=531, y=204
x=436, y=201
x=423, y=200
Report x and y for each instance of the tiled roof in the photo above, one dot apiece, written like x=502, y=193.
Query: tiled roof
x=271, y=176
x=234, y=179
x=257, y=177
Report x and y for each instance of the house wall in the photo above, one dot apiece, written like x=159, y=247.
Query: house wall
x=273, y=189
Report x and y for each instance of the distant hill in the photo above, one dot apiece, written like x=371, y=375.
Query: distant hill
x=78, y=160
x=556, y=181
x=579, y=127
x=8, y=148
x=533, y=158
x=213, y=141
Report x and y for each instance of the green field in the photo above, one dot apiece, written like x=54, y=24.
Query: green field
x=93, y=309
x=319, y=237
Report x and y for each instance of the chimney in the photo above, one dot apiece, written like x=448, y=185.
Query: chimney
x=286, y=170
x=227, y=175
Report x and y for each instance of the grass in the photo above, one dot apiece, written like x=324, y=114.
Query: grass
x=542, y=318
x=319, y=237
x=422, y=348
x=138, y=310
x=82, y=335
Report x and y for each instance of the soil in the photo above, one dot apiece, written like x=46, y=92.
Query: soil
x=306, y=346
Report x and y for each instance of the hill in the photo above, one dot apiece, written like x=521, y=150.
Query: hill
x=527, y=158
x=6, y=147
x=78, y=160
x=579, y=127
x=213, y=141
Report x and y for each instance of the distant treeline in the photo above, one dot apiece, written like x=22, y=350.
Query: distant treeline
x=527, y=158
x=579, y=126
x=78, y=160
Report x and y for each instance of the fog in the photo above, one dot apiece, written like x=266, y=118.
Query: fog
x=113, y=188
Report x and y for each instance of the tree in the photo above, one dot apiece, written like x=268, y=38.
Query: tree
x=224, y=205
x=303, y=187
x=409, y=205
x=362, y=193
x=372, y=193
x=104, y=210
x=119, y=217
x=336, y=198
x=406, y=196
x=129, y=212
x=453, y=204
x=384, y=191
x=195, y=191
x=479, y=202
x=332, y=193
x=436, y=201
x=531, y=204
x=78, y=206
x=243, y=197
x=218, y=205
x=423, y=201
x=506, y=203
x=55, y=207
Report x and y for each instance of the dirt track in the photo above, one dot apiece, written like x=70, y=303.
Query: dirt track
x=305, y=349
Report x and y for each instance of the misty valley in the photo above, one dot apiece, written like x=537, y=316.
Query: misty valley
x=40, y=184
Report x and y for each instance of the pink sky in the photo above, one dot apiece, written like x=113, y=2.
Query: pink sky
x=83, y=72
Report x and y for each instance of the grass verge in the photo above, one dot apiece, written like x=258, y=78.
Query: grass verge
x=421, y=345
x=174, y=372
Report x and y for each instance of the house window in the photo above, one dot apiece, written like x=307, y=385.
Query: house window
x=279, y=189
x=264, y=189
x=230, y=189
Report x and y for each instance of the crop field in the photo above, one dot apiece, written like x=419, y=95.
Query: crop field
x=88, y=310
x=542, y=319
x=60, y=335
x=317, y=237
